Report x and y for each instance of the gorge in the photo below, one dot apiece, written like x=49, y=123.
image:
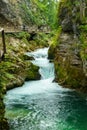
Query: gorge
x=49, y=85
x=43, y=104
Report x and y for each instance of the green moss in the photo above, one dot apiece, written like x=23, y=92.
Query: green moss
x=83, y=28
x=14, y=69
x=83, y=50
x=32, y=72
x=68, y=76
x=55, y=40
x=4, y=124
x=61, y=73
x=63, y=4
x=21, y=35
x=54, y=43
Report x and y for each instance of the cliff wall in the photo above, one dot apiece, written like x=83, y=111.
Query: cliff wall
x=70, y=45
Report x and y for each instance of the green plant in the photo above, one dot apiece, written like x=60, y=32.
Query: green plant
x=83, y=28
x=40, y=12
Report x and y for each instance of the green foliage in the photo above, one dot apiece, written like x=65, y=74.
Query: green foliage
x=55, y=39
x=29, y=15
x=38, y=12
x=4, y=73
x=49, y=11
x=22, y=35
x=83, y=50
x=54, y=43
x=83, y=28
x=41, y=39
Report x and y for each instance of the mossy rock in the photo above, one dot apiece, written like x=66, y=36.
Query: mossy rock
x=26, y=57
x=68, y=75
x=14, y=68
x=32, y=72
x=51, y=52
x=15, y=83
x=4, y=124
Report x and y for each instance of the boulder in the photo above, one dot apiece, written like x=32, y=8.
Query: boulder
x=32, y=72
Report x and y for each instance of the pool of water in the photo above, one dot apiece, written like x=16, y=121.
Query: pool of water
x=43, y=104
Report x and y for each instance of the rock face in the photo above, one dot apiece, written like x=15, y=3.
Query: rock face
x=22, y=15
x=68, y=63
x=69, y=52
x=3, y=121
x=9, y=12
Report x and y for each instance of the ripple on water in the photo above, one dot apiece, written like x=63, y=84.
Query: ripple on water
x=44, y=105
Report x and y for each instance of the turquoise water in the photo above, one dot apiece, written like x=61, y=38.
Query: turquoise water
x=43, y=104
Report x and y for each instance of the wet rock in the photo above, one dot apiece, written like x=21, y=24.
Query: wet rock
x=4, y=124
x=68, y=65
x=51, y=52
x=32, y=72
x=3, y=121
x=15, y=69
x=26, y=57
x=70, y=56
x=67, y=25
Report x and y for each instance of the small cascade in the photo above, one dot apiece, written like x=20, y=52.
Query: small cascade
x=47, y=72
x=43, y=104
x=46, y=68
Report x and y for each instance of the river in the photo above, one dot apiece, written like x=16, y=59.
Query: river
x=43, y=104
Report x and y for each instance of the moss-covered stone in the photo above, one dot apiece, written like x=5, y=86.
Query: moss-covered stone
x=51, y=52
x=32, y=72
x=3, y=121
x=27, y=57
x=68, y=63
x=70, y=55
x=3, y=124
x=16, y=67
x=71, y=13
x=54, y=43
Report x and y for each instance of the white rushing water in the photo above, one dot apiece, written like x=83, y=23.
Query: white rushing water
x=43, y=104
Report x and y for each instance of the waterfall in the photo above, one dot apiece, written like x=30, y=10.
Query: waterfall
x=43, y=104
